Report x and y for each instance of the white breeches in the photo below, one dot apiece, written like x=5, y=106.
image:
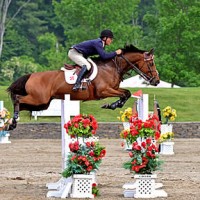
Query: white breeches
x=78, y=58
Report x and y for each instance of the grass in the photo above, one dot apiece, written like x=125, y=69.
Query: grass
x=186, y=101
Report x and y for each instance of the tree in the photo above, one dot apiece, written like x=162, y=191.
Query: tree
x=176, y=32
x=4, y=5
x=82, y=20
x=51, y=53
x=16, y=67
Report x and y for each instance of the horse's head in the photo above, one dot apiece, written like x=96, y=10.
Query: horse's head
x=142, y=62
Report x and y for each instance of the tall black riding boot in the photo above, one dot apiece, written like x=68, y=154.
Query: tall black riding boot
x=80, y=77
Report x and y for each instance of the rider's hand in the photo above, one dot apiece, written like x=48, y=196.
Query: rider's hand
x=118, y=51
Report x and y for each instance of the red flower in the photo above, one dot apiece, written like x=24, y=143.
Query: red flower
x=133, y=131
x=73, y=157
x=91, y=153
x=150, y=148
x=103, y=153
x=76, y=125
x=150, y=154
x=144, y=160
x=89, y=168
x=157, y=135
x=94, y=125
x=94, y=185
x=125, y=133
x=92, y=144
x=122, y=144
x=87, y=163
x=86, y=122
x=88, y=144
x=143, y=144
x=137, y=168
x=137, y=147
x=148, y=141
x=134, y=162
x=130, y=154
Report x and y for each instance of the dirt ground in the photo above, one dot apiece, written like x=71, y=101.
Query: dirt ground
x=27, y=165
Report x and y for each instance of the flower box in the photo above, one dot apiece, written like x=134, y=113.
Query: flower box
x=145, y=185
x=167, y=148
x=166, y=128
x=126, y=125
x=83, y=140
x=82, y=186
x=4, y=137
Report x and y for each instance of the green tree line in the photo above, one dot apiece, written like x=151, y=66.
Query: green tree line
x=36, y=35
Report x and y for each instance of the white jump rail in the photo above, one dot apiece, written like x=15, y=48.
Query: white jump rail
x=130, y=188
x=63, y=186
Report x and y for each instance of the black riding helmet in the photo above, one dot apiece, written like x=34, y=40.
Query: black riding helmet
x=106, y=33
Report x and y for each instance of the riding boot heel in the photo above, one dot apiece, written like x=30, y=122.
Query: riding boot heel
x=79, y=78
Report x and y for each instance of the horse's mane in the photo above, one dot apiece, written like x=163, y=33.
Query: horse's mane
x=131, y=48
x=127, y=48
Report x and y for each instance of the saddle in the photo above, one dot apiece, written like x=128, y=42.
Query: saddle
x=77, y=69
x=71, y=73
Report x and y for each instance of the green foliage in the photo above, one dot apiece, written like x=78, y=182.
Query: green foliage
x=51, y=53
x=176, y=41
x=143, y=158
x=83, y=158
x=16, y=44
x=16, y=67
x=92, y=19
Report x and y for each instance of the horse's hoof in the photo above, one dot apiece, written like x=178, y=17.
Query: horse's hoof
x=105, y=106
x=12, y=127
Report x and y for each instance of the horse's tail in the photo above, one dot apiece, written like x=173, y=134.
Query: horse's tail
x=18, y=87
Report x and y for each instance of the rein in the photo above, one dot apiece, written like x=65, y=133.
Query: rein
x=138, y=71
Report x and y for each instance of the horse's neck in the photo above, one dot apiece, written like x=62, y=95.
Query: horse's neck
x=109, y=69
x=133, y=58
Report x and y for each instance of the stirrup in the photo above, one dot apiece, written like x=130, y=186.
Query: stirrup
x=76, y=87
x=82, y=87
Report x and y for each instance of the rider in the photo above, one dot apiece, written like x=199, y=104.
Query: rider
x=80, y=52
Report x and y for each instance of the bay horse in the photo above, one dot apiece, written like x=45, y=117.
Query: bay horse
x=34, y=92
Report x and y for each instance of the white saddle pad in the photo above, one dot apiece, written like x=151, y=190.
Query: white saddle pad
x=70, y=75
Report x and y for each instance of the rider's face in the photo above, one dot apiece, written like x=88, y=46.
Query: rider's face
x=108, y=41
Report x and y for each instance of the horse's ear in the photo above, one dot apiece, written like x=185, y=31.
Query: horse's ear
x=151, y=52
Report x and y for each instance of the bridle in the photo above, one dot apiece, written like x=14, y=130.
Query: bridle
x=138, y=70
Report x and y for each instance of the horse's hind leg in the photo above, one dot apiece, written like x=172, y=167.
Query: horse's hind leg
x=16, y=112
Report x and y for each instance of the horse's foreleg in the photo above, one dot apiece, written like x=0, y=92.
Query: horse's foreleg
x=119, y=103
x=16, y=108
x=16, y=113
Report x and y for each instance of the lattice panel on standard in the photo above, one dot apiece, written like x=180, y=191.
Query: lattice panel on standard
x=167, y=148
x=82, y=186
x=145, y=185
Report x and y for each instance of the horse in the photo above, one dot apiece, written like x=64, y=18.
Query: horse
x=34, y=92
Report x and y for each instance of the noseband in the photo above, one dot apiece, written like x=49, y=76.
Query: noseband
x=138, y=70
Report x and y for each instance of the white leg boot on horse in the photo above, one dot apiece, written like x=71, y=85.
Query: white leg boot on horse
x=80, y=77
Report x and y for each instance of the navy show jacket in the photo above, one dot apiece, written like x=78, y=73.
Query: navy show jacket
x=93, y=47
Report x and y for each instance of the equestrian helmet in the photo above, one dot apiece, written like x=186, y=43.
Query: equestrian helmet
x=106, y=33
